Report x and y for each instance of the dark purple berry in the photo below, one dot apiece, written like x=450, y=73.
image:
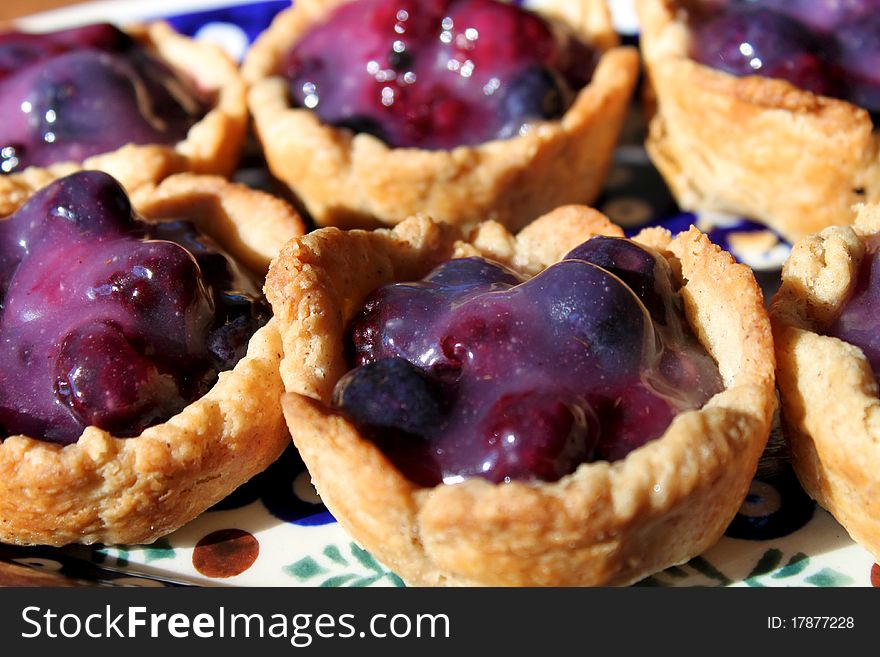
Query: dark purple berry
x=643, y=270
x=631, y=419
x=525, y=381
x=68, y=95
x=536, y=435
x=859, y=321
x=391, y=394
x=470, y=273
x=436, y=74
x=591, y=310
x=109, y=320
x=108, y=383
x=761, y=42
x=536, y=94
x=858, y=57
x=821, y=16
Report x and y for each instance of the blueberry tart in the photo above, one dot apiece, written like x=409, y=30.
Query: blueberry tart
x=563, y=407
x=461, y=109
x=140, y=104
x=824, y=319
x=139, y=377
x=766, y=108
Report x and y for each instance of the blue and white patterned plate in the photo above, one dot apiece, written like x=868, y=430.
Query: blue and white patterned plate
x=275, y=531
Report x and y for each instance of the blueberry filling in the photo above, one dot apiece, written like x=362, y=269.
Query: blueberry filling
x=475, y=372
x=436, y=74
x=859, y=321
x=110, y=321
x=68, y=95
x=829, y=47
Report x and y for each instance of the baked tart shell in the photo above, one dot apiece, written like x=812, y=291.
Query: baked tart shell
x=212, y=145
x=604, y=524
x=754, y=146
x=829, y=395
x=135, y=490
x=355, y=180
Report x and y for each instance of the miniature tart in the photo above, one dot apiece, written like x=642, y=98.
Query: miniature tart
x=522, y=116
x=754, y=98
x=140, y=381
x=602, y=523
x=140, y=105
x=824, y=320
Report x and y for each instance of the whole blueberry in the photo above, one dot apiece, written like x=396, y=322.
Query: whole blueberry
x=592, y=310
x=535, y=94
x=757, y=41
x=821, y=16
x=535, y=435
x=391, y=394
x=644, y=271
x=108, y=383
x=858, y=58
x=468, y=273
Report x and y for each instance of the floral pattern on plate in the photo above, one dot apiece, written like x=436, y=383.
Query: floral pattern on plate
x=274, y=531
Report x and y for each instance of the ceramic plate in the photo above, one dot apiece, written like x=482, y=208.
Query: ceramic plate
x=274, y=530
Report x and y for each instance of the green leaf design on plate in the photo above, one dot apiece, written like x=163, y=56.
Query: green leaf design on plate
x=98, y=554
x=796, y=565
x=705, y=568
x=675, y=571
x=650, y=581
x=366, y=559
x=305, y=568
x=768, y=567
x=829, y=577
x=332, y=552
x=102, y=553
x=394, y=579
x=338, y=580
x=327, y=565
x=768, y=562
x=366, y=581
x=161, y=549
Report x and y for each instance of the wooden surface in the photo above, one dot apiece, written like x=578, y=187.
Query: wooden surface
x=10, y=9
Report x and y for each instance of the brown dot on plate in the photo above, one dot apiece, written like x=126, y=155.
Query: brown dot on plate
x=875, y=575
x=225, y=553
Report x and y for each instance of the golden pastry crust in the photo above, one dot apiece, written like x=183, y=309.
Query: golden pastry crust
x=830, y=404
x=607, y=523
x=212, y=145
x=351, y=180
x=251, y=225
x=731, y=144
x=134, y=490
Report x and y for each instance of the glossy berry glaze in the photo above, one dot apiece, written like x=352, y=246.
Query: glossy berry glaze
x=859, y=321
x=109, y=321
x=65, y=96
x=473, y=372
x=829, y=47
x=436, y=74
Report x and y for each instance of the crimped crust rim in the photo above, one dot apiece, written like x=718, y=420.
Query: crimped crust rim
x=351, y=160
x=591, y=527
x=134, y=490
x=829, y=394
x=800, y=133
